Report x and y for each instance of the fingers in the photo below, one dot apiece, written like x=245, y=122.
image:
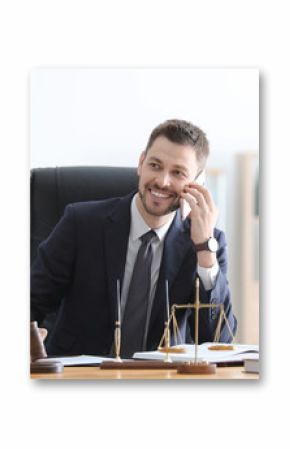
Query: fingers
x=195, y=198
x=205, y=193
x=195, y=204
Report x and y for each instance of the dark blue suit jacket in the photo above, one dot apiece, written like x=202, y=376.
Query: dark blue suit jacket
x=77, y=268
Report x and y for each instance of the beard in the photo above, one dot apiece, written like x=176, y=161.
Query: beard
x=155, y=211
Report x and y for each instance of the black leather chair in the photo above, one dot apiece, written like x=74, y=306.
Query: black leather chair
x=51, y=189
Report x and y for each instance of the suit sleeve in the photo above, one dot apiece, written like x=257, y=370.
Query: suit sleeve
x=52, y=270
x=218, y=295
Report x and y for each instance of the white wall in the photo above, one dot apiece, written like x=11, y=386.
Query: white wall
x=104, y=117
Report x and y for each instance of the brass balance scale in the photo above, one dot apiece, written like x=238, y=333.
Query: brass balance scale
x=195, y=366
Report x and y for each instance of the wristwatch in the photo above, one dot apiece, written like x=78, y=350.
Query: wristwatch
x=210, y=245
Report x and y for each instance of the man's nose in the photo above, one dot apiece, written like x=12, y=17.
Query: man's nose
x=163, y=180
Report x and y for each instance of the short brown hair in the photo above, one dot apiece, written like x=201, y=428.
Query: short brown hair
x=184, y=133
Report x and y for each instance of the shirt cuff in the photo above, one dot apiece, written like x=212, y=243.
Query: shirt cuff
x=208, y=275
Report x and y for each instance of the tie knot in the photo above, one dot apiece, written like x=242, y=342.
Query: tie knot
x=146, y=238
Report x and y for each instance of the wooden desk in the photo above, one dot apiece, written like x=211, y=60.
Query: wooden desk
x=94, y=373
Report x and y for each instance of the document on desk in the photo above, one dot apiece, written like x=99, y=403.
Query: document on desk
x=236, y=355
x=80, y=360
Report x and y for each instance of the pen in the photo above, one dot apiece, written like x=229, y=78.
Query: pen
x=119, y=301
x=167, y=331
x=167, y=300
x=118, y=324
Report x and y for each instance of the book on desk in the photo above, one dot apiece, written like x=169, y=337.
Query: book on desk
x=234, y=357
x=252, y=364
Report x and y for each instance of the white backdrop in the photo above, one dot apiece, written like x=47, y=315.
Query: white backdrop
x=104, y=116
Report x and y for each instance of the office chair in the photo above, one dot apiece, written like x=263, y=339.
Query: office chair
x=51, y=189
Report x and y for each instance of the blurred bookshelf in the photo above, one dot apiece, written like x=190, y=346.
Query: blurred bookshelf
x=216, y=183
x=249, y=328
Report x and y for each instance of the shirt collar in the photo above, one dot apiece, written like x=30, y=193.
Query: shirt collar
x=139, y=227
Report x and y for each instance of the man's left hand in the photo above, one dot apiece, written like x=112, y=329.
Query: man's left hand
x=203, y=218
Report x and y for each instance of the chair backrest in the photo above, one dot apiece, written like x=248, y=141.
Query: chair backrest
x=52, y=189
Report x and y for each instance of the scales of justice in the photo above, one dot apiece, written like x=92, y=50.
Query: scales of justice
x=196, y=365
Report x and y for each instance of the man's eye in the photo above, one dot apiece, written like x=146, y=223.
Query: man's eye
x=179, y=174
x=154, y=165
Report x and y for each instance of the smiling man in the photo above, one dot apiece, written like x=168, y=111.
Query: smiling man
x=144, y=240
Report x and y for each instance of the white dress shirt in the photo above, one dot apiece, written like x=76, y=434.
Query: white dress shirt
x=138, y=228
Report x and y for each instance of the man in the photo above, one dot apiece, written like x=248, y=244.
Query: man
x=141, y=241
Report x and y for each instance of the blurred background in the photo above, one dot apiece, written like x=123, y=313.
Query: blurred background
x=103, y=116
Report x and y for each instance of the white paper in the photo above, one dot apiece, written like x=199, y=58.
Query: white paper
x=80, y=360
x=238, y=354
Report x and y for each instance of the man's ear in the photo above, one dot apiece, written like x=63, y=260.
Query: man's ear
x=141, y=160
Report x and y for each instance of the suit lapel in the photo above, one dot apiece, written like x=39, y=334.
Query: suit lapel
x=117, y=230
x=176, y=245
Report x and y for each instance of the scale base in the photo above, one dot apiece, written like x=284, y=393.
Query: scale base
x=197, y=368
x=45, y=366
x=140, y=364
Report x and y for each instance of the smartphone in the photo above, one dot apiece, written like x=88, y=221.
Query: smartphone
x=184, y=206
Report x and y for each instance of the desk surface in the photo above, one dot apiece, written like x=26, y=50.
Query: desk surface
x=95, y=373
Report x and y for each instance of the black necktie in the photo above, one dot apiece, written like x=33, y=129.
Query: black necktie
x=133, y=323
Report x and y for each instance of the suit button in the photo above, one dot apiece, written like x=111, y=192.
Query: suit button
x=213, y=312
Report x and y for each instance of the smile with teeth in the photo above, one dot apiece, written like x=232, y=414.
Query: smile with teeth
x=159, y=194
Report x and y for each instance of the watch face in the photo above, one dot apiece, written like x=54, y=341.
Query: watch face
x=213, y=245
